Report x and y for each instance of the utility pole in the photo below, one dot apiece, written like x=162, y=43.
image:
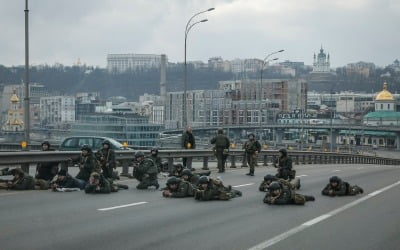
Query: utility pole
x=26, y=80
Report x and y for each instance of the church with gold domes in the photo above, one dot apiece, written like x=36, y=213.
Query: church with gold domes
x=15, y=116
x=385, y=113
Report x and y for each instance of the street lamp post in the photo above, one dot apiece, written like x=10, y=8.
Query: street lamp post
x=187, y=29
x=26, y=80
x=265, y=61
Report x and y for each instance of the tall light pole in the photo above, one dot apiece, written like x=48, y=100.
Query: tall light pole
x=187, y=29
x=265, y=61
x=26, y=80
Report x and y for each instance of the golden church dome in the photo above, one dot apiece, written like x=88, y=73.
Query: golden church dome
x=384, y=95
x=14, y=98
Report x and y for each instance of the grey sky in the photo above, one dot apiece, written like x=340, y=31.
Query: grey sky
x=64, y=30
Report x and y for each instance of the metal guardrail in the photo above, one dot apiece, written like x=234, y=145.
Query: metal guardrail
x=26, y=158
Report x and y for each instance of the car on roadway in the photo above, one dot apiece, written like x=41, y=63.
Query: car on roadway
x=75, y=143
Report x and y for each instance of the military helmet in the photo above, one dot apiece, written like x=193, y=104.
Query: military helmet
x=86, y=147
x=220, y=131
x=173, y=180
x=139, y=154
x=178, y=165
x=269, y=177
x=251, y=134
x=274, y=186
x=204, y=180
x=106, y=142
x=95, y=175
x=335, y=179
x=283, y=151
x=187, y=172
x=46, y=143
x=154, y=150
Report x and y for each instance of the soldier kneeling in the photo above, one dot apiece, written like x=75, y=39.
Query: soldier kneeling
x=281, y=194
x=340, y=188
x=211, y=189
x=177, y=188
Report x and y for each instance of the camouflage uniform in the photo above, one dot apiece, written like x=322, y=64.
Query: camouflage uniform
x=252, y=148
x=146, y=173
x=341, y=189
x=106, y=160
x=103, y=187
x=286, y=196
x=285, y=166
x=215, y=190
x=21, y=181
x=183, y=189
x=222, y=144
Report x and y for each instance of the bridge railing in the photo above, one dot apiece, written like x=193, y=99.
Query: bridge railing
x=27, y=158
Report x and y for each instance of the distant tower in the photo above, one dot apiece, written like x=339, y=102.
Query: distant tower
x=163, y=78
x=321, y=63
x=15, y=116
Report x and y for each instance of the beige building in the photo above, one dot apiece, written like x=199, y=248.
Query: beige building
x=15, y=116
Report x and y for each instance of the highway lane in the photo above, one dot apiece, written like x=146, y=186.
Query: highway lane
x=48, y=220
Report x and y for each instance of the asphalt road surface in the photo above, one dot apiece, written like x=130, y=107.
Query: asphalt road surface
x=143, y=219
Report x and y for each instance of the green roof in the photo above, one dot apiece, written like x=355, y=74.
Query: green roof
x=366, y=132
x=383, y=115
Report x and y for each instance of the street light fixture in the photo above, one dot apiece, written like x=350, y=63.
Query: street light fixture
x=265, y=62
x=187, y=29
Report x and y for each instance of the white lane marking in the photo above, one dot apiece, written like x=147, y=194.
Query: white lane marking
x=316, y=220
x=121, y=206
x=336, y=170
x=303, y=175
x=12, y=193
x=248, y=184
x=360, y=168
x=320, y=218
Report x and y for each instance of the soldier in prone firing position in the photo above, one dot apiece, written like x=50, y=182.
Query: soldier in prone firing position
x=177, y=188
x=21, y=181
x=268, y=179
x=337, y=187
x=145, y=171
x=280, y=193
x=212, y=189
x=97, y=184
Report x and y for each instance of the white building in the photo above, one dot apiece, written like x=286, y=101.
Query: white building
x=56, y=110
x=124, y=62
x=321, y=63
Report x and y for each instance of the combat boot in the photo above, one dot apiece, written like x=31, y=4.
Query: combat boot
x=309, y=198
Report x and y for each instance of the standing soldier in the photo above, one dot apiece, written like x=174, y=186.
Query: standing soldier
x=221, y=149
x=145, y=172
x=177, y=188
x=337, y=187
x=106, y=159
x=188, y=142
x=252, y=148
x=87, y=163
x=281, y=193
x=46, y=170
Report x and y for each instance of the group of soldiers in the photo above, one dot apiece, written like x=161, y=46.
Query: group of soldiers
x=97, y=175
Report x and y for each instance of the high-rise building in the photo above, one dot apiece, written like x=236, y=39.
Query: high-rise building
x=56, y=110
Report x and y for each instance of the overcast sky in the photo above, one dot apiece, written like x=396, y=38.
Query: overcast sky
x=64, y=30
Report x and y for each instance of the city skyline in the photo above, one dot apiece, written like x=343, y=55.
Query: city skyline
x=350, y=31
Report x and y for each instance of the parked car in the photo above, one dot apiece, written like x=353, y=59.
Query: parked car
x=75, y=143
